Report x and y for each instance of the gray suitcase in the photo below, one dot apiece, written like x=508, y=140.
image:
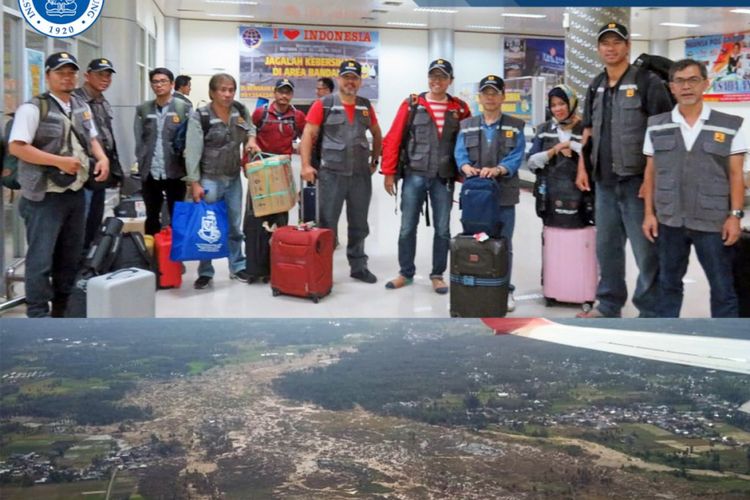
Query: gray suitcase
x=126, y=293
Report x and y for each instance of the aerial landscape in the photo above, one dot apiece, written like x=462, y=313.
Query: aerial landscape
x=407, y=409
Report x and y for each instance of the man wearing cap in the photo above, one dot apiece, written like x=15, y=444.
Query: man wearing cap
x=98, y=78
x=492, y=145
x=53, y=137
x=162, y=170
x=694, y=191
x=278, y=124
x=182, y=87
x=346, y=164
x=618, y=103
x=419, y=148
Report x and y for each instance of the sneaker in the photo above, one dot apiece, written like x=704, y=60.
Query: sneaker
x=511, y=302
x=439, y=285
x=364, y=275
x=242, y=276
x=202, y=282
x=398, y=282
x=593, y=313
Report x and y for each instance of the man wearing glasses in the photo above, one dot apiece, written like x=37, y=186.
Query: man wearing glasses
x=694, y=191
x=419, y=148
x=161, y=169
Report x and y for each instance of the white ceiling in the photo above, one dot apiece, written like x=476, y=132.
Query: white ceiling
x=645, y=21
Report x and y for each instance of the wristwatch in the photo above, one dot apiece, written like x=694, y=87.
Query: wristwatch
x=737, y=213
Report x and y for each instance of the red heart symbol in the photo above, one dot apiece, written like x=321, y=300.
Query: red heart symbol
x=291, y=34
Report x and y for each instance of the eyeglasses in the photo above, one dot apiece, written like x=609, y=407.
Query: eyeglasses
x=159, y=82
x=692, y=81
x=438, y=76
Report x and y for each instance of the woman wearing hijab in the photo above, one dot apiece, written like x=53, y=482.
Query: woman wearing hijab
x=569, y=268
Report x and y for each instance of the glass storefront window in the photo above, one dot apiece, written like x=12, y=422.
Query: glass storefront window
x=11, y=63
x=36, y=41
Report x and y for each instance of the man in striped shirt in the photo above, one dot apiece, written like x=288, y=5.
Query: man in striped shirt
x=419, y=149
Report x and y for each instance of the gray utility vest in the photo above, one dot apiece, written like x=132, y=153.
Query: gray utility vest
x=344, y=148
x=628, y=125
x=431, y=154
x=221, y=143
x=177, y=112
x=692, y=187
x=503, y=142
x=51, y=138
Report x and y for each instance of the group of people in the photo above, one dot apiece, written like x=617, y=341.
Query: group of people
x=666, y=177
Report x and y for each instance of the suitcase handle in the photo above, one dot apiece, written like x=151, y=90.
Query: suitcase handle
x=302, y=184
x=132, y=270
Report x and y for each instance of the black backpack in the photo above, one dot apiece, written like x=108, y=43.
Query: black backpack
x=10, y=162
x=132, y=252
x=657, y=65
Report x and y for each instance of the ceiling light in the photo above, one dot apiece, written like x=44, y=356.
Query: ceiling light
x=740, y=11
x=680, y=25
x=635, y=34
x=415, y=25
x=436, y=11
x=483, y=27
x=530, y=16
x=233, y=2
x=244, y=16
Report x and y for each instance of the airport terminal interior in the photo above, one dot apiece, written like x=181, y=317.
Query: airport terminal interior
x=200, y=38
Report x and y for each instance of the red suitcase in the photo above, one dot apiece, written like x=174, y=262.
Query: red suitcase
x=170, y=271
x=302, y=262
x=569, y=267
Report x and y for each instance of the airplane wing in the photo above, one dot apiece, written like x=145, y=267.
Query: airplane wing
x=715, y=353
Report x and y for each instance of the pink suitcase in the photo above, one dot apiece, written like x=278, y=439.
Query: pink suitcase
x=569, y=267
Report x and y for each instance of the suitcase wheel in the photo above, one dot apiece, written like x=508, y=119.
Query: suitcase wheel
x=549, y=302
x=315, y=299
x=587, y=306
x=275, y=292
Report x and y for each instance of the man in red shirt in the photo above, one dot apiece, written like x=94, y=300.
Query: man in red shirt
x=419, y=148
x=278, y=125
x=341, y=120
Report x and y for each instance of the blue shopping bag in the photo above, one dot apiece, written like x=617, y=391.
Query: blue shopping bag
x=200, y=231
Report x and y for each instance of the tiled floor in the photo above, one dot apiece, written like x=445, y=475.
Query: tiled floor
x=350, y=298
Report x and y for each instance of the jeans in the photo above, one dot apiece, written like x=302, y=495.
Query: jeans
x=619, y=216
x=356, y=190
x=153, y=198
x=54, y=231
x=508, y=219
x=229, y=190
x=94, y=214
x=414, y=191
x=716, y=260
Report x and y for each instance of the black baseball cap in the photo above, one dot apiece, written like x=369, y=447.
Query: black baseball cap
x=615, y=28
x=350, y=66
x=58, y=60
x=101, y=64
x=443, y=65
x=492, y=81
x=284, y=82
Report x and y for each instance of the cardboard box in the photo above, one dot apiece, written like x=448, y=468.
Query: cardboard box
x=271, y=185
x=133, y=224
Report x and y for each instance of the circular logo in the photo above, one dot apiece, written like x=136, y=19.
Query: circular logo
x=252, y=38
x=61, y=18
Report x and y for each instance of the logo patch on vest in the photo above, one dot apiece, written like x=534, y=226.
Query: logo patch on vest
x=241, y=120
x=630, y=93
x=509, y=134
x=175, y=119
x=719, y=136
x=86, y=115
x=365, y=112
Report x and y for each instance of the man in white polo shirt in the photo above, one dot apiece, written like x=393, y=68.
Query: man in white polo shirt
x=693, y=191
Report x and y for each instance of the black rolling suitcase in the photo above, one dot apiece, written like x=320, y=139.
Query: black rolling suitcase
x=479, y=277
x=742, y=273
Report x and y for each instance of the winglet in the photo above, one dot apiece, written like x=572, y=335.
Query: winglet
x=503, y=326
